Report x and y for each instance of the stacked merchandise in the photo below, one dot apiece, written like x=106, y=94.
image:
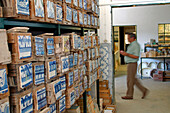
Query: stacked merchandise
x=104, y=92
x=49, y=73
x=84, y=13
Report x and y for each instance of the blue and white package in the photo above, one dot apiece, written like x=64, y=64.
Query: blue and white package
x=22, y=7
x=39, y=46
x=50, y=9
x=57, y=89
x=26, y=103
x=39, y=74
x=75, y=59
x=3, y=83
x=59, y=13
x=70, y=79
x=53, y=108
x=62, y=103
x=75, y=16
x=26, y=75
x=52, y=69
x=71, y=61
x=41, y=98
x=72, y=97
x=68, y=14
x=50, y=46
x=65, y=64
x=63, y=83
x=25, y=46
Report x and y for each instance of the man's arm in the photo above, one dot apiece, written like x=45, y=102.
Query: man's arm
x=129, y=55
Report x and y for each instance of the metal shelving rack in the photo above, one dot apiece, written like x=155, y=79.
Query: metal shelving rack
x=8, y=22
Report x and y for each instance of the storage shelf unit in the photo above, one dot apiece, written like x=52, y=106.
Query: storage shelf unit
x=9, y=23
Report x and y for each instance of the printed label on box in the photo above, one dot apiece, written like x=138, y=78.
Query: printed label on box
x=80, y=59
x=85, y=4
x=66, y=43
x=52, y=69
x=57, y=89
x=4, y=107
x=62, y=103
x=50, y=46
x=69, y=13
x=77, y=91
x=39, y=8
x=26, y=103
x=71, y=61
x=68, y=1
x=41, y=98
x=53, y=108
x=26, y=76
x=72, y=97
x=75, y=17
x=50, y=9
x=63, y=83
x=65, y=66
x=59, y=13
x=86, y=41
x=81, y=3
x=22, y=7
x=70, y=79
x=85, y=19
x=39, y=46
x=81, y=18
x=76, y=75
x=24, y=46
x=3, y=81
x=39, y=74
x=75, y=2
x=75, y=59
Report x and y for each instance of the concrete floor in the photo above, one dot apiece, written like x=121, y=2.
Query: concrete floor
x=157, y=101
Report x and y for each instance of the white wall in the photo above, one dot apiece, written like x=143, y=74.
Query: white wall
x=105, y=24
x=146, y=18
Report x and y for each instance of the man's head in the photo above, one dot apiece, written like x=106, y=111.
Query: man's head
x=131, y=37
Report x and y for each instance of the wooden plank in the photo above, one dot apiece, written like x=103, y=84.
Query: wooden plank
x=5, y=55
x=20, y=77
x=4, y=88
x=1, y=12
x=22, y=45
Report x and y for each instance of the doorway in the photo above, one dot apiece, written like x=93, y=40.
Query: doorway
x=121, y=43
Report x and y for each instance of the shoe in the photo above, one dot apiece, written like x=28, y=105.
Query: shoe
x=145, y=93
x=127, y=98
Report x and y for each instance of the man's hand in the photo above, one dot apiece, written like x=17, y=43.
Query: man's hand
x=123, y=53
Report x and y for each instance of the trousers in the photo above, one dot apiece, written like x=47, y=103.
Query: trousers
x=132, y=80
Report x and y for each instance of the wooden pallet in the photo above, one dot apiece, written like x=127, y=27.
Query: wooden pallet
x=58, y=44
x=51, y=70
x=4, y=91
x=18, y=41
x=70, y=97
x=53, y=91
x=39, y=48
x=19, y=100
x=13, y=9
x=39, y=96
x=20, y=77
x=4, y=104
x=38, y=73
x=49, y=11
x=37, y=11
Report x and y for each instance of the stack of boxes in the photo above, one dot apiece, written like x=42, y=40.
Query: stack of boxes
x=48, y=73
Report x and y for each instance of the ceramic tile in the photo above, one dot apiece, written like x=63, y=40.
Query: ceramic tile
x=22, y=7
x=39, y=8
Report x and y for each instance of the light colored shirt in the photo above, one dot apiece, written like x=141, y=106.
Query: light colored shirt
x=134, y=49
